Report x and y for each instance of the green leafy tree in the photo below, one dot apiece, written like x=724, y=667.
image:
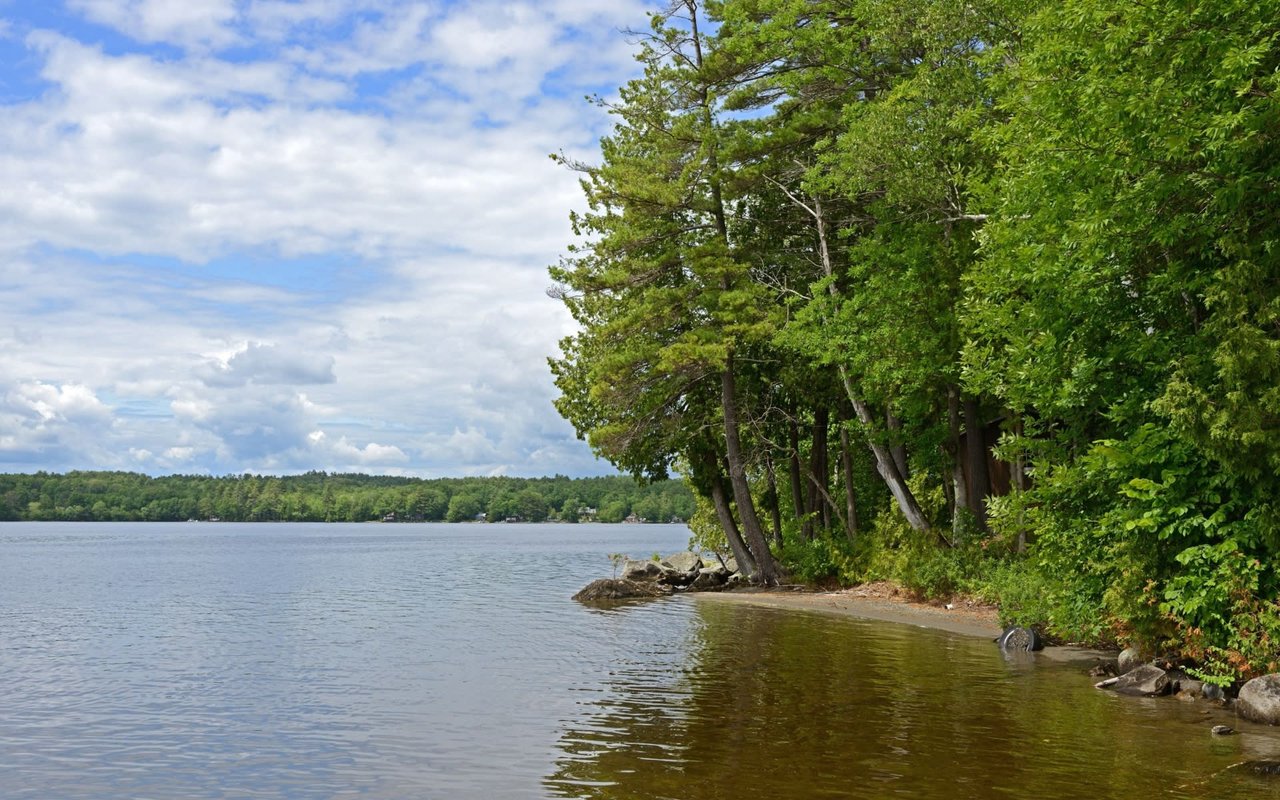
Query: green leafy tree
x=665, y=304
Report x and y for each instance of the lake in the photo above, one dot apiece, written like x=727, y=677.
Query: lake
x=202, y=660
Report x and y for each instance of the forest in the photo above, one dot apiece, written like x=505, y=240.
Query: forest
x=326, y=497
x=977, y=297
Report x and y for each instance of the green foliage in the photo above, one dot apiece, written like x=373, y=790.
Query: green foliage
x=707, y=535
x=1065, y=213
x=323, y=497
x=821, y=560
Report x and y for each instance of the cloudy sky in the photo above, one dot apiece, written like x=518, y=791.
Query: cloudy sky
x=282, y=235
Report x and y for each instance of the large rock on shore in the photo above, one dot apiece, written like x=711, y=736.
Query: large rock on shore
x=1259, y=700
x=618, y=589
x=1147, y=680
x=710, y=579
x=1129, y=660
x=684, y=562
x=680, y=569
x=633, y=570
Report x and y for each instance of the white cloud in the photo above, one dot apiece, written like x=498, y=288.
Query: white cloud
x=47, y=404
x=404, y=167
x=269, y=364
x=372, y=454
x=194, y=23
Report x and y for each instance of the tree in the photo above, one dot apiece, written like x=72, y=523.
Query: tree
x=1127, y=306
x=664, y=304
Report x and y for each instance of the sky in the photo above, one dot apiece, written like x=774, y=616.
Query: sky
x=274, y=236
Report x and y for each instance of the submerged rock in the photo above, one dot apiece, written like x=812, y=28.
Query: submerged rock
x=1264, y=767
x=1147, y=680
x=1259, y=700
x=618, y=589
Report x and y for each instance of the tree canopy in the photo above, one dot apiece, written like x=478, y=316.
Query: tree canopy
x=976, y=295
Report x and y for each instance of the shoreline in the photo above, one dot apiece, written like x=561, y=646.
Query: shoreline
x=881, y=603
x=879, y=606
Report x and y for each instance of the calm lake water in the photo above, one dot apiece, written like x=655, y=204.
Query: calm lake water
x=447, y=661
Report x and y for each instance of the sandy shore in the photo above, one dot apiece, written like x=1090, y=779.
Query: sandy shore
x=874, y=601
x=885, y=603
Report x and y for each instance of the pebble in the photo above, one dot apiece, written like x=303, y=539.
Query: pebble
x=1222, y=730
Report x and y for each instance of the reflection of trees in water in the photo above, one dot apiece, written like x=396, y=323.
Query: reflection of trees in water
x=798, y=705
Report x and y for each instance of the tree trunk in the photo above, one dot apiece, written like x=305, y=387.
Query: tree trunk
x=975, y=450
x=818, y=469
x=772, y=498
x=746, y=564
x=797, y=483
x=753, y=532
x=850, y=501
x=885, y=464
x=897, y=447
x=959, y=485
x=1020, y=480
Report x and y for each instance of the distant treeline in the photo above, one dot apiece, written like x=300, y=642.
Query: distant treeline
x=324, y=497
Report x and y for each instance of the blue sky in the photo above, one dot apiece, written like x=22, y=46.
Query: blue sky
x=284, y=235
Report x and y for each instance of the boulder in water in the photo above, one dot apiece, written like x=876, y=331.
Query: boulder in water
x=1259, y=700
x=618, y=589
x=1147, y=680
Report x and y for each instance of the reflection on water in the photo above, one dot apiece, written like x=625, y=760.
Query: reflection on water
x=433, y=661
x=786, y=704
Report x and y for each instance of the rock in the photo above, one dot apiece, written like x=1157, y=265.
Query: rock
x=731, y=564
x=618, y=589
x=717, y=569
x=736, y=579
x=1020, y=639
x=709, y=579
x=1147, y=680
x=1213, y=693
x=633, y=570
x=1222, y=730
x=670, y=576
x=684, y=562
x=1106, y=684
x=1259, y=700
x=1264, y=767
x=1191, y=687
x=1130, y=658
x=680, y=569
